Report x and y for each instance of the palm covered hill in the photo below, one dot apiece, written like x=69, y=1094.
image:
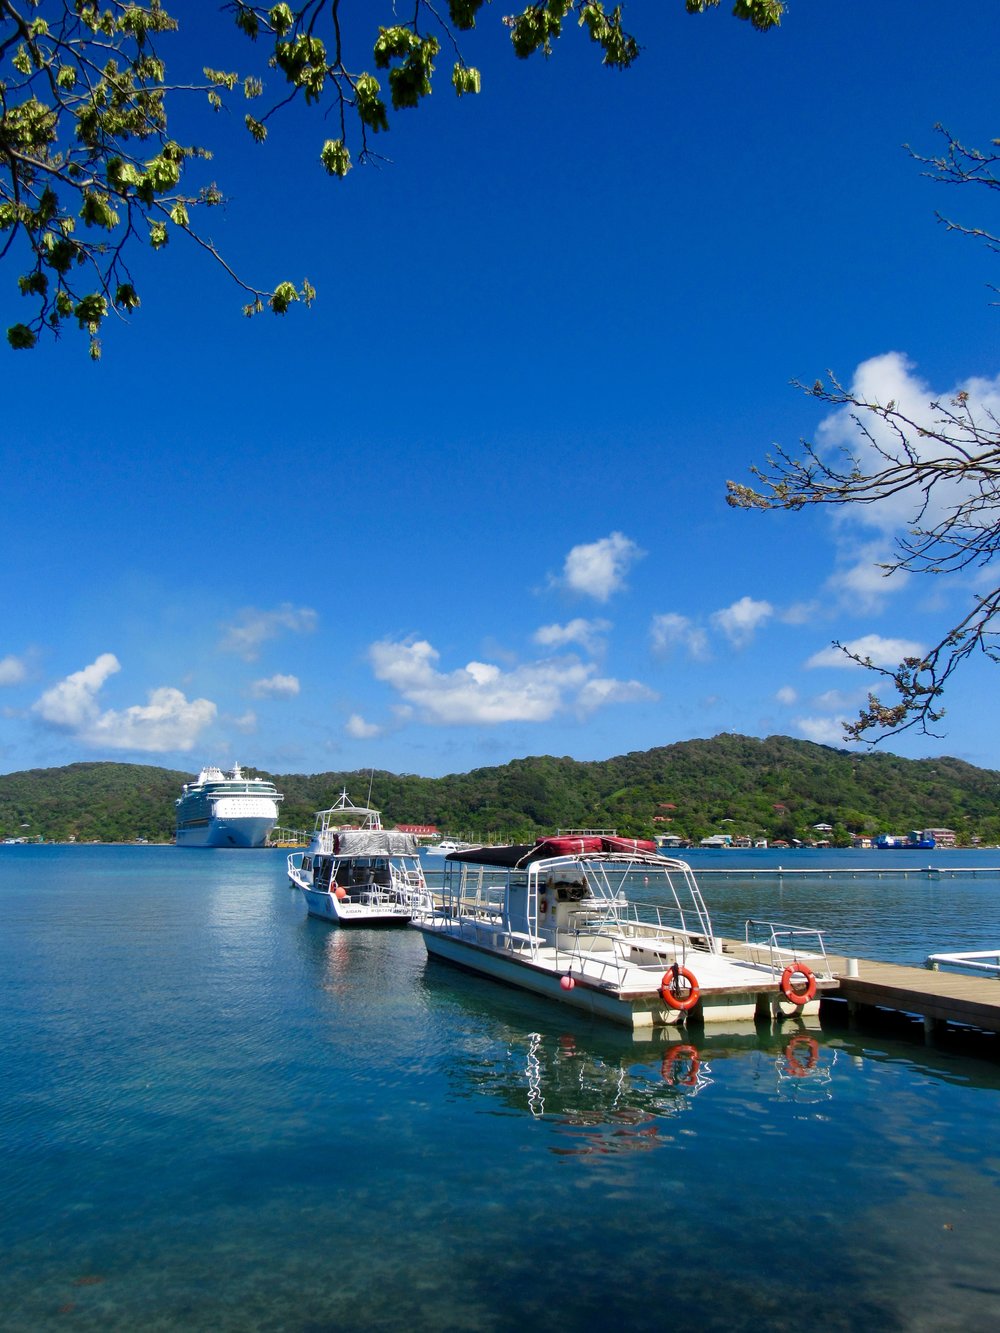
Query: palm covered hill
x=776, y=788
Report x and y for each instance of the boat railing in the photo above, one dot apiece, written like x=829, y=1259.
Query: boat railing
x=371, y=894
x=612, y=953
x=776, y=945
x=409, y=884
x=612, y=879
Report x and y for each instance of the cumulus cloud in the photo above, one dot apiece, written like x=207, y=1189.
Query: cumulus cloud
x=275, y=687
x=481, y=693
x=168, y=721
x=887, y=378
x=671, y=631
x=586, y=633
x=361, y=730
x=891, y=377
x=72, y=704
x=787, y=696
x=598, y=569
x=741, y=621
x=881, y=651
x=252, y=628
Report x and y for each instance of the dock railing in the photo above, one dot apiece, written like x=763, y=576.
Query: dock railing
x=983, y=960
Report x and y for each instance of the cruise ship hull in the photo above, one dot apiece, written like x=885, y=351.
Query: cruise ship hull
x=245, y=832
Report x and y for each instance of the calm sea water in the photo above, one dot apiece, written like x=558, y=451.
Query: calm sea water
x=217, y=1113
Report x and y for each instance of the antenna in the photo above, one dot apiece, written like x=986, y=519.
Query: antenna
x=371, y=783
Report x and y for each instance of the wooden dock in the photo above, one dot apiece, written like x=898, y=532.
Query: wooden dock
x=939, y=998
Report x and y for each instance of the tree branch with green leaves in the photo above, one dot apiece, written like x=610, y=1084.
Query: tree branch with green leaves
x=89, y=169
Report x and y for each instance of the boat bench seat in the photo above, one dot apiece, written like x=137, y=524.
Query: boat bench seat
x=568, y=939
x=523, y=937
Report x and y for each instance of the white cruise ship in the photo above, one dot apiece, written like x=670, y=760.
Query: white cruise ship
x=226, y=810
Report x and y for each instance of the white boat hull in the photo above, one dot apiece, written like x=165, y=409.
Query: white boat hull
x=543, y=974
x=348, y=912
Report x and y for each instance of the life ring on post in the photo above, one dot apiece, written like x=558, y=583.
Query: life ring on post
x=669, y=987
x=790, y=993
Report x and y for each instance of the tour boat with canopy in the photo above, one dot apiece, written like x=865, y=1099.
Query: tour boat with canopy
x=558, y=917
x=355, y=872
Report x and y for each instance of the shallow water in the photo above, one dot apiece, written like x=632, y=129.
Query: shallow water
x=218, y=1113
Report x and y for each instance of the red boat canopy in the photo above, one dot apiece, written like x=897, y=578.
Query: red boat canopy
x=522, y=854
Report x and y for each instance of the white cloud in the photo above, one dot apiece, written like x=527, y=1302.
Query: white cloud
x=12, y=670
x=481, y=693
x=253, y=628
x=860, y=581
x=741, y=621
x=840, y=701
x=72, y=704
x=598, y=569
x=596, y=693
x=800, y=613
x=587, y=633
x=361, y=730
x=168, y=721
x=822, y=730
x=275, y=687
x=882, y=652
x=246, y=723
x=787, y=696
x=883, y=379
x=671, y=630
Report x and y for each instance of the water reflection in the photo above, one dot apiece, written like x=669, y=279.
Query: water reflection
x=605, y=1090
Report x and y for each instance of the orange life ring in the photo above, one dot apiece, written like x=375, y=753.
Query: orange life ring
x=794, y=996
x=794, y=1063
x=670, y=979
x=677, y=1057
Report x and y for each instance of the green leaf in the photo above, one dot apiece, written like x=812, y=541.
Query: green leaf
x=21, y=337
x=282, y=297
x=335, y=157
x=465, y=78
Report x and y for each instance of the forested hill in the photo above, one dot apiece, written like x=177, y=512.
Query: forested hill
x=774, y=788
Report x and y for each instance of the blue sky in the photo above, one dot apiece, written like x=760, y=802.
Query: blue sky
x=471, y=506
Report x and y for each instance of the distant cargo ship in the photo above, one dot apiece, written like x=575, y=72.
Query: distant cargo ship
x=226, y=810
x=912, y=842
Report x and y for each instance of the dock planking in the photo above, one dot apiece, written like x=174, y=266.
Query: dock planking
x=936, y=997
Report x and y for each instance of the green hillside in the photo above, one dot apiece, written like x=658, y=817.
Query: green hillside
x=774, y=788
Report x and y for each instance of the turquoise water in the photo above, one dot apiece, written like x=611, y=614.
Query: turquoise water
x=217, y=1113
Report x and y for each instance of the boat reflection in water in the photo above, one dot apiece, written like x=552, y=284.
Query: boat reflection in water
x=605, y=1091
